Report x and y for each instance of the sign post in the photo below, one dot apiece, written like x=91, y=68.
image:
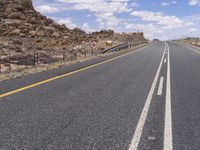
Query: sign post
x=93, y=46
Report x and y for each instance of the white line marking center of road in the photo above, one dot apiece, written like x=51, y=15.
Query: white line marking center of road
x=165, y=60
x=160, y=87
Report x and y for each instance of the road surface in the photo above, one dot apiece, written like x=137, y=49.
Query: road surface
x=148, y=99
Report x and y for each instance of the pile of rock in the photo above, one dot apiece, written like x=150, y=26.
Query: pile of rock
x=18, y=18
x=25, y=32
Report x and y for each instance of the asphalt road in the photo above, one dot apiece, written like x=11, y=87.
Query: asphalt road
x=146, y=99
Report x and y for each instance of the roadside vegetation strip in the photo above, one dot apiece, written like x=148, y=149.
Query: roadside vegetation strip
x=68, y=74
x=139, y=128
x=168, y=138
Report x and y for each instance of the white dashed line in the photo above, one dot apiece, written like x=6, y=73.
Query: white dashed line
x=160, y=87
x=138, y=131
x=165, y=60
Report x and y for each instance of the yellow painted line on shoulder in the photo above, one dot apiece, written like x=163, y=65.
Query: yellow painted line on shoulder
x=67, y=74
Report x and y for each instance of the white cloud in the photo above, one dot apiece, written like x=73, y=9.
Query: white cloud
x=67, y=21
x=47, y=9
x=108, y=14
x=107, y=20
x=149, y=29
x=194, y=2
x=99, y=6
x=89, y=15
x=87, y=28
x=159, y=18
x=193, y=29
x=134, y=4
x=104, y=10
x=160, y=25
x=169, y=3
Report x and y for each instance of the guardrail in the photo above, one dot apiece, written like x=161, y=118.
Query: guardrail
x=123, y=46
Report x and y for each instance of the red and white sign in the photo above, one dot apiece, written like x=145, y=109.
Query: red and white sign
x=93, y=44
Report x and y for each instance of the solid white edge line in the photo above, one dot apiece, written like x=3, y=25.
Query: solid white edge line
x=139, y=128
x=193, y=49
x=187, y=47
x=168, y=139
x=160, y=87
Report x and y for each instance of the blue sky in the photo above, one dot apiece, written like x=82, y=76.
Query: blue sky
x=164, y=19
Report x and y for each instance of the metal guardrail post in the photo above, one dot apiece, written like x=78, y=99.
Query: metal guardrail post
x=0, y=65
x=37, y=58
x=9, y=62
x=63, y=56
x=85, y=53
x=34, y=60
x=27, y=58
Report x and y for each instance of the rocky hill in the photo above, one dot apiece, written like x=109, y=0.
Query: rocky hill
x=18, y=18
x=24, y=31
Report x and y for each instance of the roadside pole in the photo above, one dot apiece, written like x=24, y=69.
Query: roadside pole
x=93, y=46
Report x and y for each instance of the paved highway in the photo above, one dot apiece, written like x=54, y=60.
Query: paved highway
x=147, y=99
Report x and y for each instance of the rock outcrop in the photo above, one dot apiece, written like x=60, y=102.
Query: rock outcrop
x=18, y=18
x=26, y=3
x=24, y=32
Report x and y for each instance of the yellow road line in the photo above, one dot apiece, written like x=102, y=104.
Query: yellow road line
x=65, y=75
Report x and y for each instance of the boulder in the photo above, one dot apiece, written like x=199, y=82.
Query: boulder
x=54, y=24
x=49, y=28
x=41, y=33
x=78, y=31
x=32, y=33
x=11, y=21
x=14, y=15
x=26, y=3
x=56, y=34
x=109, y=43
x=8, y=9
x=3, y=1
x=22, y=35
x=3, y=16
x=16, y=32
x=39, y=28
x=32, y=20
x=18, y=7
